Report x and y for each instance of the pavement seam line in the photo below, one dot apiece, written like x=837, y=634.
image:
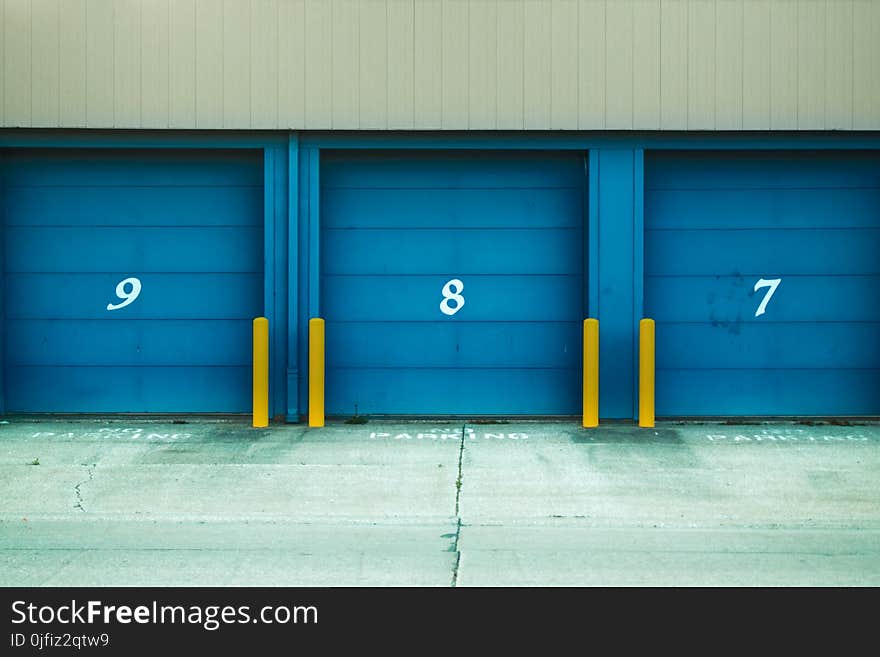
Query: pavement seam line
x=76, y=489
x=458, y=485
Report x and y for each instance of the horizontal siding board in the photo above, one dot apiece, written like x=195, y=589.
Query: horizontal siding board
x=756, y=65
x=318, y=22
x=291, y=64
x=346, y=63
x=17, y=62
x=428, y=74
x=452, y=64
x=209, y=64
x=401, y=64
x=701, y=65
x=236, y=64
x=45, y=104
x=591, y=65
x=182, y=76
x=482, y=71
x=673, y=64
x=866, y=65
x=646, y=65
x=812, y=60
x=100, y=64
x=373, y=66
x=3, y=68
x=839, y=65
x=729, y=48
x=536, y=72
x=564, y=64
x=619, y=62
x=127, y=64
x=72, y=68
x=510, y=64
x=783, y=65
x=264, y=64
x=155, y=64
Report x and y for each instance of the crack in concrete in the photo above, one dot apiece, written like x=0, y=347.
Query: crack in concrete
x=78, y=492
x=458, y=485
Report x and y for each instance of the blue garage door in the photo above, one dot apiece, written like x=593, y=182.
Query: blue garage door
x=130, y=280
x=405, y=235
x=763, y=273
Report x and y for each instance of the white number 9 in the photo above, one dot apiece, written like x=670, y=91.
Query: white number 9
x=127, y=297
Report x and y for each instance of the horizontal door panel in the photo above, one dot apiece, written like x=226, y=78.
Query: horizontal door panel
x=462, y=344
x=486, y=298
x=453, y=392
x=498, y=251
x=129, y=342
x=767, y=392
x=110, y=249
x=128, y=390
x=162, y=296
x=721, y=300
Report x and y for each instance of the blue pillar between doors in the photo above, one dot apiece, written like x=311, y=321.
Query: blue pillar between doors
x=617, y=212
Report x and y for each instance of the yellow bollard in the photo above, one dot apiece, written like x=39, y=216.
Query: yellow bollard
x=646, y=373
x=591, y=373
x=316, y=372
x=261, y=372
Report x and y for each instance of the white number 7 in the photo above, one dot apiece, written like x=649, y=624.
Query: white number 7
x=771, y=283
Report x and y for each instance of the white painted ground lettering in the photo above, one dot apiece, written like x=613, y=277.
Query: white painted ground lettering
x=128, y=296
x=443, y=435
x=449, y=295
x=771, y=437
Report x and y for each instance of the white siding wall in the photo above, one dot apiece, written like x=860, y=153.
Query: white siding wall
x=441, y=64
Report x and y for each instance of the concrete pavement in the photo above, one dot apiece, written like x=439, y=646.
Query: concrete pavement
x=209, y=502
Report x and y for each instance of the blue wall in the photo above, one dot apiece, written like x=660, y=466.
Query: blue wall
x=292, y=211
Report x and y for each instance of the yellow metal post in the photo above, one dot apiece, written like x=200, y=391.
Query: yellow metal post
x=316, y=372
x=646, y=373
x=261, y=372
x=591, y=373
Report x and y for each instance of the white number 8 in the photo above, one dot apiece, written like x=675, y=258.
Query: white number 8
x=452, y=292
x=127, y=297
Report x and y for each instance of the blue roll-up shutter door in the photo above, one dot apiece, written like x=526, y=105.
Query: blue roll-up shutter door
x=719, y=223
x=186, y=224
x=397, y=227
